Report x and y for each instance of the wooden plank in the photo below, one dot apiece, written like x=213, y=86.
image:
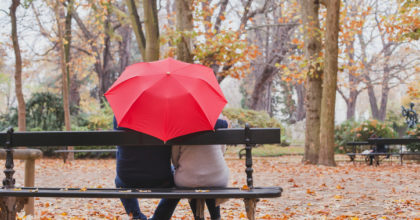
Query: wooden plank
x=393, y=141
x=132, y=138
x=203, y=193
x=87, y=151
x=357, y=143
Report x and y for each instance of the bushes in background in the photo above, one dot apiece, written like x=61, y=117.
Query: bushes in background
x=351, y=131
x=260, y=119
x=414, y=133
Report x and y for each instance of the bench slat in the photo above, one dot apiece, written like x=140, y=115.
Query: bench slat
x=395, y=141
x=87, y=151
x=202, y=193
x=132, y=138
x=373, y=154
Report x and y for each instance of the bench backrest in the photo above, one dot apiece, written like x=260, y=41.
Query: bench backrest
x=132, y=138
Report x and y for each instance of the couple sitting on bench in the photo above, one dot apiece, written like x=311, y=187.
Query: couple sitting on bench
x=150, y=167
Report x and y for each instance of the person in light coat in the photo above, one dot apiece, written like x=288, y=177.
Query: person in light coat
x=202, y=166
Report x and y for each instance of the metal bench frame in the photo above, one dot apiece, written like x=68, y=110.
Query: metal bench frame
x=12, y=198
x=369, y=157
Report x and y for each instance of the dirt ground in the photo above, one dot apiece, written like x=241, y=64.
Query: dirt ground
x=348, y=191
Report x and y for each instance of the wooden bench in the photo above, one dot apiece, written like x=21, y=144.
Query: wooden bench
x=375, y=157
x=13, y=198
x=370, y=157
x=396, y=141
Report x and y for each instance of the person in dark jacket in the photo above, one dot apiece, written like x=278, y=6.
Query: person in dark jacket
x=145, y=166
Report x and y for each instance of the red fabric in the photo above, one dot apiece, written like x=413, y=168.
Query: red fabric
x=166, y=98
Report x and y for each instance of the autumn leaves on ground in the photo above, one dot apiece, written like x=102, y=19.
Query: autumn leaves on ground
x=348, y=191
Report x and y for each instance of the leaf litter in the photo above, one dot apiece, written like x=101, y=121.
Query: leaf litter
x=348, y=191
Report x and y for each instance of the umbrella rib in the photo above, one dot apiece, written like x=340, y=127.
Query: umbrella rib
x=123, y=82
x=220, y=95
x=195, y=100
x=201, y=109
x=135, y=99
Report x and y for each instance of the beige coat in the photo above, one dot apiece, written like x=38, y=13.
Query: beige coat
x=200, y=166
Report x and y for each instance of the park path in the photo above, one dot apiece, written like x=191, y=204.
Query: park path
x=390, y=191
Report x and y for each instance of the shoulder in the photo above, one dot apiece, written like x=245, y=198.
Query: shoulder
x=220, y=123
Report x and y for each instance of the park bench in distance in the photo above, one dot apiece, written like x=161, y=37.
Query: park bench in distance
x=375, y=157
x=357, y=149
x=12, y=198
x=396, y=141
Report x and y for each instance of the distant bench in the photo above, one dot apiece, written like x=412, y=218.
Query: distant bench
x=13, y=198
x=396, y=141
x=375, y=156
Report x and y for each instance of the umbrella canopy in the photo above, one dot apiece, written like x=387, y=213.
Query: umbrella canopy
x=166, y=98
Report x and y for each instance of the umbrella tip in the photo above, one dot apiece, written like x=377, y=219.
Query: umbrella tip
x=168, y=72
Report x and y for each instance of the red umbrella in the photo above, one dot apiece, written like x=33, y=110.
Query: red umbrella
x=166, y=98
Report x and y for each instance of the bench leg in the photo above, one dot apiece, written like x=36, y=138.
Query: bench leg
x=199, y=215
x=250, y=207
x=10, y=206
x=29, y=182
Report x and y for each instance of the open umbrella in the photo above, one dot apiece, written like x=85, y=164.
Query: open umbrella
x=166, y=98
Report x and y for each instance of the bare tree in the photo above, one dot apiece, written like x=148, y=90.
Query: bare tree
x=147, y=41
x=184, y=22
x=274, y=42
x=106, y=69
x=64, y=53
x=18, y=68
x=388, y=65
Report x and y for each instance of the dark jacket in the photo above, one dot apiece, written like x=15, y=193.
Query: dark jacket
x=146, y=166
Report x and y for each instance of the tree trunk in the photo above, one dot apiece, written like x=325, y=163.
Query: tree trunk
x=61, y=29
x=73, y=83
x=351, y=105
x=326, y=153
x=74, y=92
x=372, y=100
x=384, y=93
x=137, y=27
x=65, y=42
x=18, y=68
x=352, y=81
x=124, y=48
x=300, y=105
x=152, y=30
x=184, y=23
x=310, y=10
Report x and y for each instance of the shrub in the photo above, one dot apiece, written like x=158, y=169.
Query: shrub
x=414, y=133
x=397, y=121
x=238, y=117
x=350, y=131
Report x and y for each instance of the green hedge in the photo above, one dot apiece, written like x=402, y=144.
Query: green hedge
x=239, y=116
x=351, y=131
x=414, y=133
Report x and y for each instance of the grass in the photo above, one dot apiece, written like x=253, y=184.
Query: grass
x=268, y=150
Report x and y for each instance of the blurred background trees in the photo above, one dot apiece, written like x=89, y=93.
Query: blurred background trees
x=270, y=53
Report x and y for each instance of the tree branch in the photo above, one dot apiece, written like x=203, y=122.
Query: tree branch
x=223, y=5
